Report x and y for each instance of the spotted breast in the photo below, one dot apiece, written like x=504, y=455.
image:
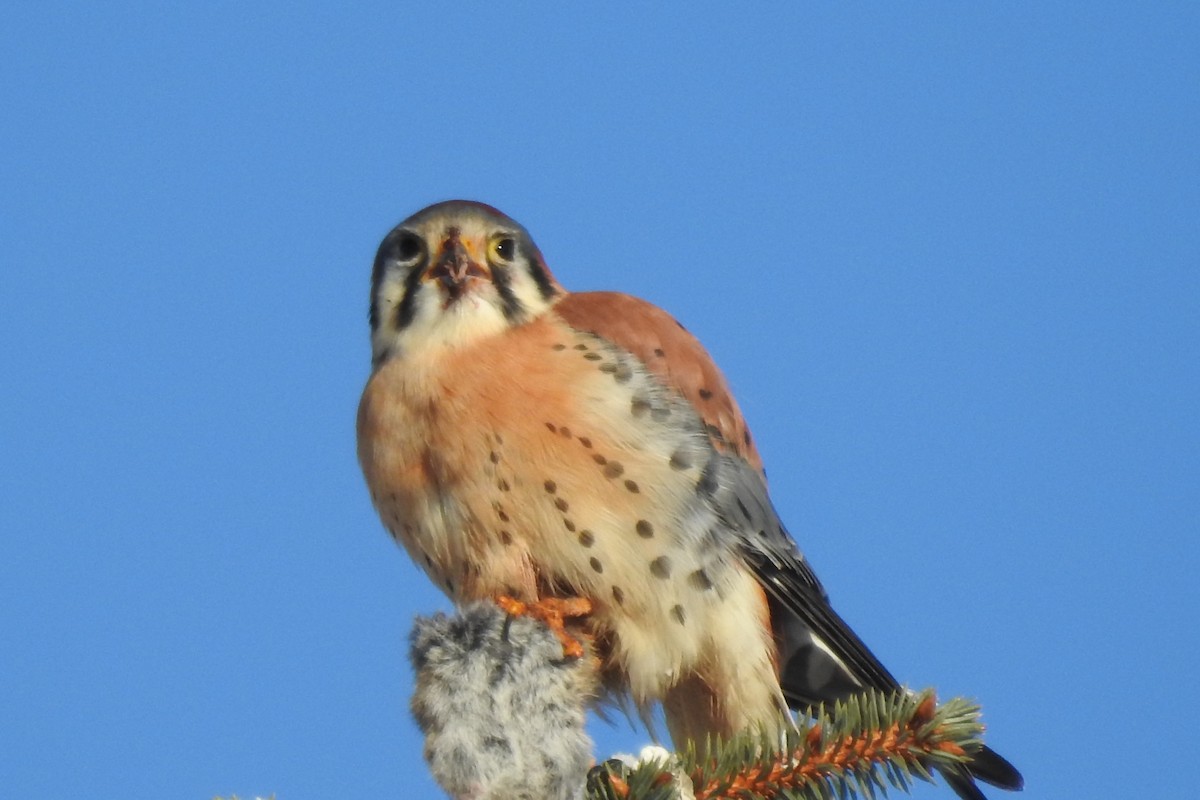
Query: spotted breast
x=554, y=462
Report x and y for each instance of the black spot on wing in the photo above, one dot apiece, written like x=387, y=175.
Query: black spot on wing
x=680, y=460
x=709, y=483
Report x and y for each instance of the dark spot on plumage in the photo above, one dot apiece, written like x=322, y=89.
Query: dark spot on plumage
x=560, y=346
x=644, y=529
x=550, y=426
x=700, y=581
x=678, y=613
x=585, y=441
x=623, y=374
x=680, y=461
x=428, y=560
x=506, y=538
x=631, y=486
x=680, y=324
x=564, y=432
x=658, y=351
x=618, y=595
x=708, y=483
x=504, y=485
x=560, y=504
x=742, y=508
x=714, y=432
x=639, y=406
x=613, y=469
x=494, y=457
x=550, y=486
x=660, y=413
x=587, y=538
x=581, y=346
x=449, y=586
x=501, y=513
x=746, y=438
x=596, y=565
x=599, y=459
x=763, y=534
x=661, y=567
x=592, y=356
x=569, y=524
x=705, y=394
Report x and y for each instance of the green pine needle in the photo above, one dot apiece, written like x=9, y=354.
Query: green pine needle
x=821, y=765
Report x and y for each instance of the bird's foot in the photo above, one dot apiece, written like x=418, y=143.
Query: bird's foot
x=553, y=612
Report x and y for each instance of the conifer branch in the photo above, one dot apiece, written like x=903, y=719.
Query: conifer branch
x=848, y=751
x=503, y=716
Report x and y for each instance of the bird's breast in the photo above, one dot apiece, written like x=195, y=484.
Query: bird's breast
x=547, y=461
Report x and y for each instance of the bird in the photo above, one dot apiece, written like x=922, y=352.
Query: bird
x=580, y=457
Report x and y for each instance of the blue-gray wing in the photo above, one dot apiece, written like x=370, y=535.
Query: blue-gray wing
x=820, y=658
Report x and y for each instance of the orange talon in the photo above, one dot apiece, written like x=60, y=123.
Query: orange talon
x=553, y=612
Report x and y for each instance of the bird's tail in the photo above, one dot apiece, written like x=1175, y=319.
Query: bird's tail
x=988, y=766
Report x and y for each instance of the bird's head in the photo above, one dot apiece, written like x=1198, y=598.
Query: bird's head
x=452, y=273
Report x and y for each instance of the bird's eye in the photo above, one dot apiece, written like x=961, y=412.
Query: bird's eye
x=504, y=248
x=408, y=246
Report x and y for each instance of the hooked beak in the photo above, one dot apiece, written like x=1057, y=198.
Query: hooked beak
x=454, y=267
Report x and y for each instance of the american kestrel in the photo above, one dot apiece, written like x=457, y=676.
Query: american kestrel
x=583, y=453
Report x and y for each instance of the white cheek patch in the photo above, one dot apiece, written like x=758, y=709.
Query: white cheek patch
x=529, y=297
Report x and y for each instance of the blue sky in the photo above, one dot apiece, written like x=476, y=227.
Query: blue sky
x=947, y=254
